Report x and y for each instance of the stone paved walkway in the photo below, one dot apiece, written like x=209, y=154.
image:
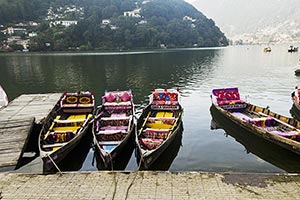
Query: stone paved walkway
x=148, y=185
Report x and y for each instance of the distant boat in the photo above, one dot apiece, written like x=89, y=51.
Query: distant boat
x=3, y=98
x=293, y=49
x=297, y=72
x=267, y=49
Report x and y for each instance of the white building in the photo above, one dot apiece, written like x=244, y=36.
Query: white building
x=32, y=34
x=187, y=18
x=105, y=21
x=134, y=13
x=65, y=23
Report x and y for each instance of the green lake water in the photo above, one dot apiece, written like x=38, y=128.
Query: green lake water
x=265, y=79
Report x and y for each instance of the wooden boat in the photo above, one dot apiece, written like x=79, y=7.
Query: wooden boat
x=3, y=98
x=64, y=127
x=297, y=72
x=293, y=49
x=267, y=49
x=295, y=110
x=157, y=126
x=113, y=130
x=267, y=125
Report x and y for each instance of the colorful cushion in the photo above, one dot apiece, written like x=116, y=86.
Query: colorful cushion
x=150, y=143
x=109, y=97
x=125, y=96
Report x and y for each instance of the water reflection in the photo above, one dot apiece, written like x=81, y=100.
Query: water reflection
x=196, y=72
x=139, y=72
x=264, y=149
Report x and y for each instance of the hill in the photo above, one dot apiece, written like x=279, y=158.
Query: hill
x=255, y=21
x=112, y=24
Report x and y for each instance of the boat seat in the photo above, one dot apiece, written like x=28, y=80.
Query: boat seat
x=150, y=143
x=228, y=96
x=156, y=133
x=112, y=131
x=115, y=118
x=159, y=125
x=109, y=143
x=162, y=120
x=162, y=114
x=54, y=145
x=67, y=128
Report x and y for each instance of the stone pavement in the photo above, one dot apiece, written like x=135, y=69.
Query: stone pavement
x=148, y=185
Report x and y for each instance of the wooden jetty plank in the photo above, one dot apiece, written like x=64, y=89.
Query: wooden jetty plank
x=30, y=105
x=9, y=137
x=17, y=121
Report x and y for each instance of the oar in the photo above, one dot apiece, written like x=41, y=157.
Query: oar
x=145, y=122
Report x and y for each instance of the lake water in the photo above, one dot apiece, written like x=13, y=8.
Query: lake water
x=265, y=79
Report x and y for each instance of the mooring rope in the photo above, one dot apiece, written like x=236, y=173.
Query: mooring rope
x=55, y=164
x=138, y=168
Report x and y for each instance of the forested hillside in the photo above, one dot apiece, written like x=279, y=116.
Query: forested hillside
x=112, y=24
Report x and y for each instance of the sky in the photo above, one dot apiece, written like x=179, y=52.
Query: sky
x=239, y=16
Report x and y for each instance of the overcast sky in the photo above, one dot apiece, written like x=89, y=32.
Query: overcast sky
x=246, y=15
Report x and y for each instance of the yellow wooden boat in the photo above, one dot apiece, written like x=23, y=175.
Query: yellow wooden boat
x=64, y=127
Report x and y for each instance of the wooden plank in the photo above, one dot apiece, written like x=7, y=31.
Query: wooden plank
x=12, y=139
x=13, y=136
x=17, y=120
x=30, y=105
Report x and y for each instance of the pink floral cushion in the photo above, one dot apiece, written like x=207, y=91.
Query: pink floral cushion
x=125, y=96
x=110, y=97
x=225, y=102
x=151, y=143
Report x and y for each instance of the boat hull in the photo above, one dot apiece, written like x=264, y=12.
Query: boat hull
x=119, y=157
x=284, y=143
x=268, y=151
x=145, y=159
x=295, y=110
x=58, y=156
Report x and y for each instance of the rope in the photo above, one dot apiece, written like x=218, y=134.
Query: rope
x=139, y=166
x=55, y=164
x=115, y=189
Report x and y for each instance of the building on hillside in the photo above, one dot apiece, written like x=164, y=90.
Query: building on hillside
x=187, y=18
x=65, y=23
x=105, y=21
x=15, y=31
x=134, y=13
x=31, y=23
x=142, y=22
x=32, y=34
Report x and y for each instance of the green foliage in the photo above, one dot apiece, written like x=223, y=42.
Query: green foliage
x=163, y=24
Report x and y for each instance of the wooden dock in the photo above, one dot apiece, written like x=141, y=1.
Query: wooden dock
x=16, y=123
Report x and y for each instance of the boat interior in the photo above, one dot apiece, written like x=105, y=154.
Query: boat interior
x=114, y=122
x=261, y=118
x=161, y=119
x=69, y=120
